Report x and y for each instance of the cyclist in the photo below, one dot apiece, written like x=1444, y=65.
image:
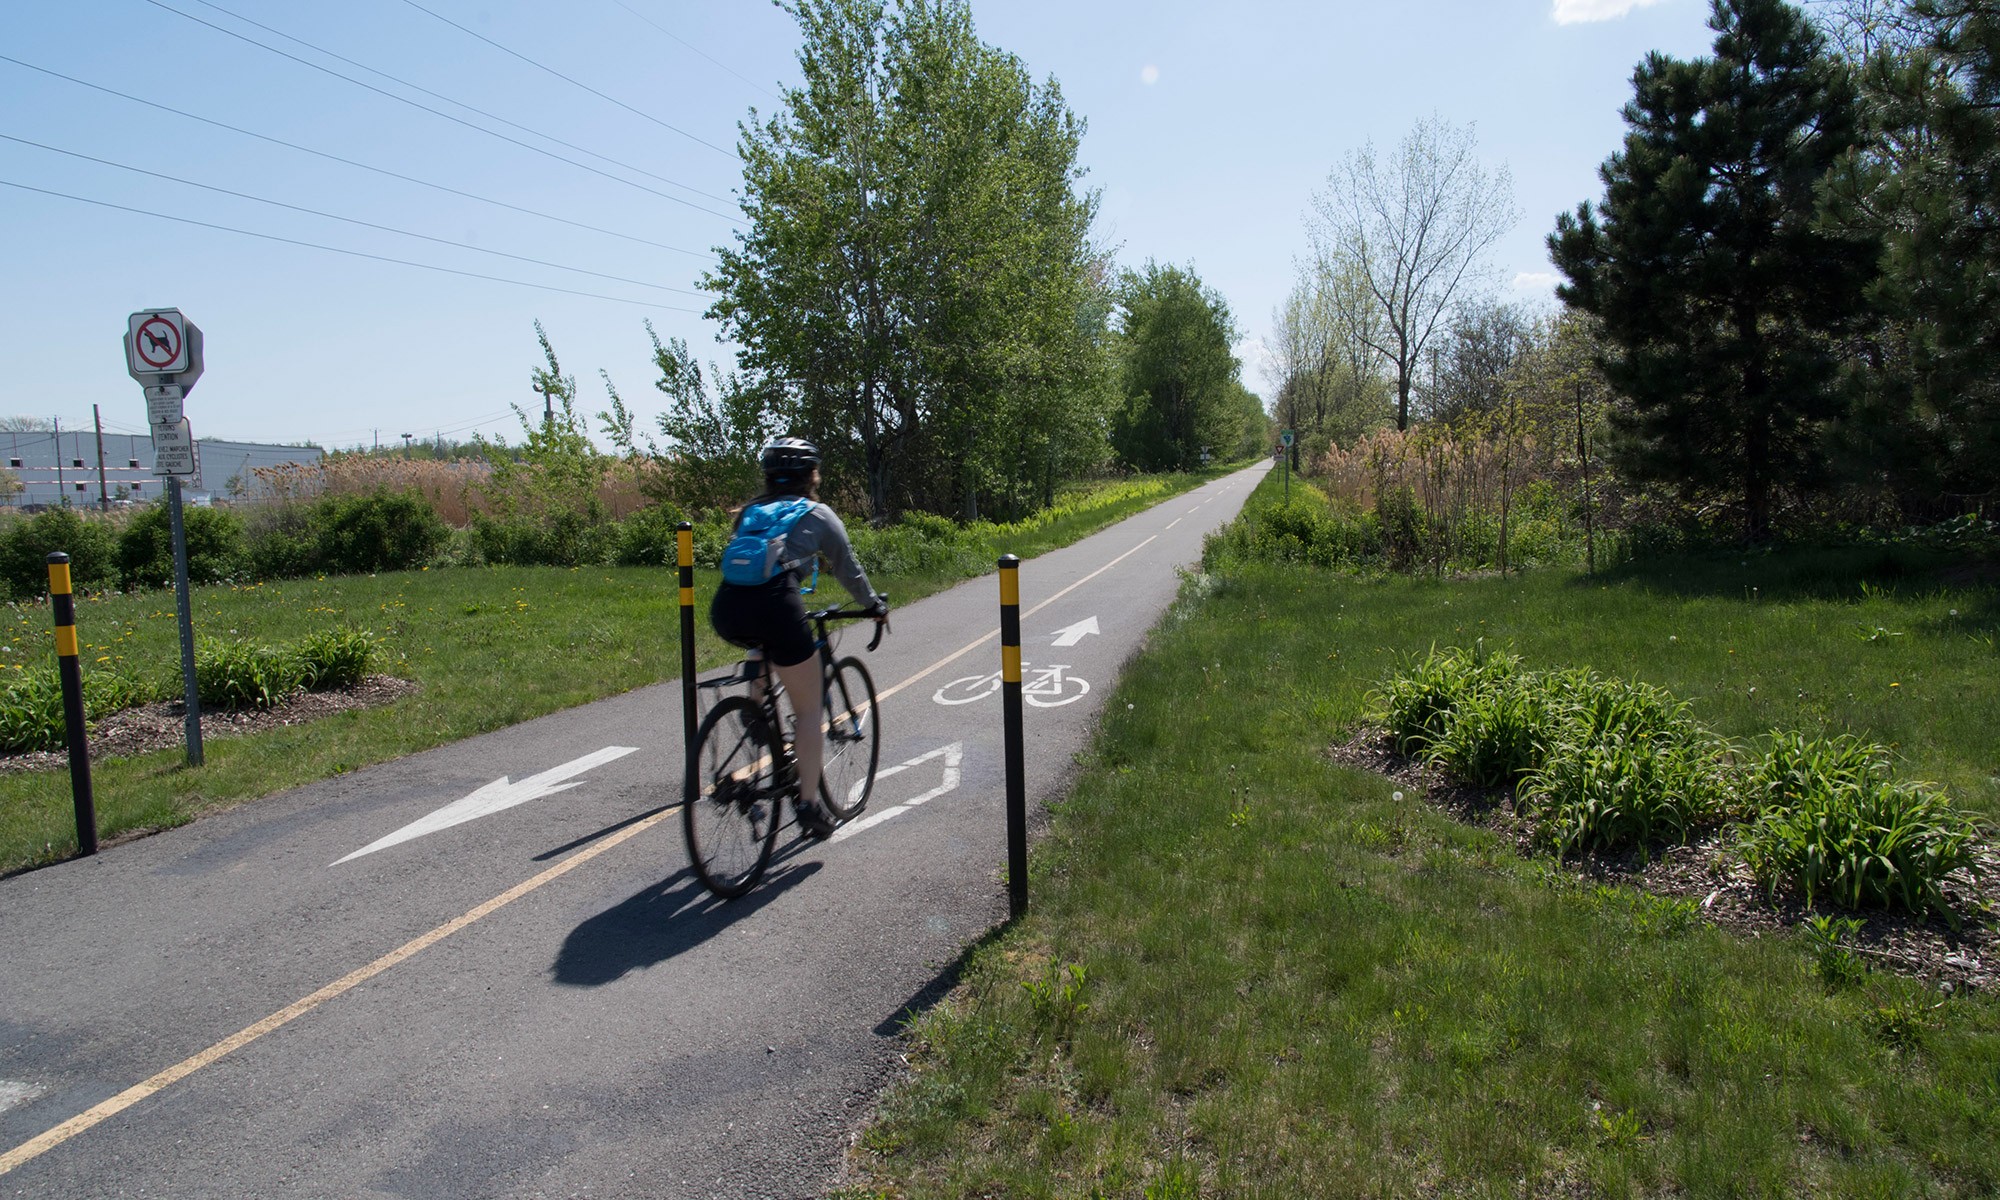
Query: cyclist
x=770, y=617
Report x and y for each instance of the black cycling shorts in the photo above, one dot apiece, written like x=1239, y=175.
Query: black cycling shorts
x=769, y=616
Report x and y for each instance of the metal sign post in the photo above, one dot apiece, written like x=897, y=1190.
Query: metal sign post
x=163, y=352
x=1285, y=439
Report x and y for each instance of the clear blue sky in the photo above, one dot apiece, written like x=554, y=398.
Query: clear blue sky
x=1210, y=126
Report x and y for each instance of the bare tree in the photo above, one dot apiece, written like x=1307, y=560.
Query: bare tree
x=1860, y=28
x=1415, y=230
x=1480, y=350
x=1324, y=367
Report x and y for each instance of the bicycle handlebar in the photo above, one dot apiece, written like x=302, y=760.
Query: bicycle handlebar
x=881, y=619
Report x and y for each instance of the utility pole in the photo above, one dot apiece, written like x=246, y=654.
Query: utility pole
x=406, y=445
x=62, y=497
x=103, y=490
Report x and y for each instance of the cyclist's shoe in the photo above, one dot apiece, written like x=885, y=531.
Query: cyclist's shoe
x=813, y=818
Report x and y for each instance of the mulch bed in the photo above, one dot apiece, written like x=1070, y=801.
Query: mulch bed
x=1704, y=871
x=162, y=724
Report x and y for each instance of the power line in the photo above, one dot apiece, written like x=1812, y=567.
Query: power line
x=348, y=220
x=533, y=132
x=403, y=262
x=541, y=66
x=352, y=163
x=447, y=116
x=697, y=49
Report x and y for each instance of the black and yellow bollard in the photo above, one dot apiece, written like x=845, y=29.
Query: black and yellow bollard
x=64, y=605
x=684, y=543
x=1010, y=704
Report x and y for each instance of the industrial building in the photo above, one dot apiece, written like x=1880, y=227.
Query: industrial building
x=67, y=467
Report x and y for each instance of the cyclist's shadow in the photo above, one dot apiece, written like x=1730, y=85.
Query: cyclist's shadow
x=676, y=914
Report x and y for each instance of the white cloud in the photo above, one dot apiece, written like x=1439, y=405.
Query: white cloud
x=1535, y=281
x=1149, y=74
x=1576, y=12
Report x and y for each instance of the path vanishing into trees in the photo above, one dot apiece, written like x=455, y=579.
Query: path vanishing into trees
x=486, y=970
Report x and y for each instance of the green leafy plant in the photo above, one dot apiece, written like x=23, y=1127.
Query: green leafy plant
x=1834, y=960
x=245, y=674
x=1057, y=999
x=1621, y=791
x=334, y=658
x=31, y=707
x=1416, y=703
x=1833, y=824
x=1495, y=735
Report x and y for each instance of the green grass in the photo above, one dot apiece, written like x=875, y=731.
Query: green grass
x=492, y=646
x=1296, y=982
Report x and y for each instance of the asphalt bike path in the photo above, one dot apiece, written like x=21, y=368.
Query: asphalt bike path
x=486, y=969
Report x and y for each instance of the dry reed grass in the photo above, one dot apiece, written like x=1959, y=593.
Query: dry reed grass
x=456, y=488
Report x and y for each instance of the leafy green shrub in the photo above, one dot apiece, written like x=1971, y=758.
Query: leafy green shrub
x=1834, y=824
x=216, y=548
x=347, y=535
x=559, y=538
x=648, y=538
x=1408, y=533
x=245, y=674
x=31, y=707
x=1623, y=790
x=27, y=543
x=1416, y=703
x=379, y=531
x=920, y=544
x=334, y=658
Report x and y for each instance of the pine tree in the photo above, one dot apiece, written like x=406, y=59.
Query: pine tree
x=1927, y=181
x=1720, y=297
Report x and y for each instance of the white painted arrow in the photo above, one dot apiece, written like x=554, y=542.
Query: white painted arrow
x=1074, y=634
x=496, y=797
x=953, y=755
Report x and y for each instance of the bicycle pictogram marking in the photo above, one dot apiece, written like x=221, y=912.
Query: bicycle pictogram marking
x=1043, y=687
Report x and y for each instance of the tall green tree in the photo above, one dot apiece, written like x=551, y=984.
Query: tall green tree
x=915, y=287
x=1927, y=183
x=1178, y=375
x=713, y=436
x=1719, y=295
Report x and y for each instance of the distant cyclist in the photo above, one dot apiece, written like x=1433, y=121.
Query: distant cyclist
x=771, y=617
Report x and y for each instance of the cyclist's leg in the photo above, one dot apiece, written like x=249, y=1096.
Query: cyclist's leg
x=802, y=683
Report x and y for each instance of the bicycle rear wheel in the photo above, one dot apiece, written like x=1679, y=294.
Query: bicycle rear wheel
x=852, y=739
x=732, y=820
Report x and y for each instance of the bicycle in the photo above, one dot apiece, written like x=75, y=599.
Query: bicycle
x=742, y=770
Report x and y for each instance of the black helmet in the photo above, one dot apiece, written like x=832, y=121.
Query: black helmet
x=788, y=456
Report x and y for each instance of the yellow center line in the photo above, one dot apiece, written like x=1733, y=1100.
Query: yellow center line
x=104, y=1111
x=100, y=1113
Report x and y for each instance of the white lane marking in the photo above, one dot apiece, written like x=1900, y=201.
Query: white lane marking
x=953, y=755
x=988, y=637
x=13, y=1095
x=1073, y=634
x=496, y=797
x=1043, y=688
x=1175, y=521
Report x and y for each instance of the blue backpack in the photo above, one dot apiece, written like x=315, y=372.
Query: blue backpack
x=756, y=555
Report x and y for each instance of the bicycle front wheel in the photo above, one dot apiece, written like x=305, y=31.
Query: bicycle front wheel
x=732, y=819
x=852, y=738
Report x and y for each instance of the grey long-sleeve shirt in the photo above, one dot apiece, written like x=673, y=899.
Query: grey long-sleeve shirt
x=819, y=535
